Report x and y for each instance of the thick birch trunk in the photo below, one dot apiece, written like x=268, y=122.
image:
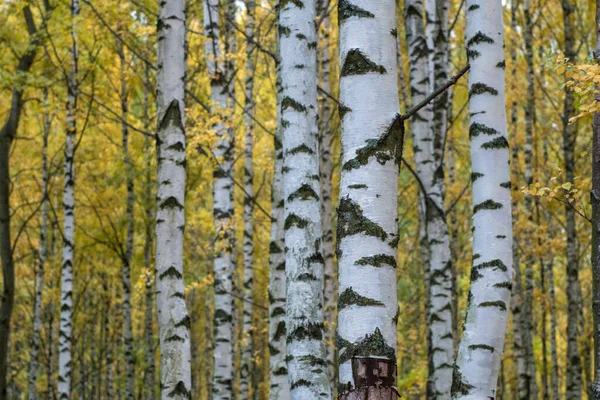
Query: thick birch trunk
x=223, y=265
x=367, y=233
x=247, y=328
x=43, y=253
x=478, y=361
x=307, y=366
x=280, y=387
x=573, y=366
x=66, y=287
x=127, y=257
x=173, y=319
x=325, y=174
x=595, y=199
x=429, y=131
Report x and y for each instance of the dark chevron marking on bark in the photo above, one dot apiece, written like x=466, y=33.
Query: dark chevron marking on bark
x=351, y=221
x=185, y=322
x=301, y=149
x=476, y=128
x=498, y=143
x=310, y=331
x=171, y=273
x=482, y=88
x=288, y=102
x=482, y=347
x=459, y=384
x=371, y=345
x=180, y=390
x=350, y=298
x=500, y=304
x=506, y=185
x=478, y=38
x=347, y=10
x=377, y=260
x=472, y=54
x=504, y=285
x=300, y=36
x=476, y=175
x=343, y=110
x=171, y=202
x=175, y=338
x=501, y=65
x=277, y=311
x=304, y=192
x=294, y=220
x=299, y=383
x=412, y=11
x=172, y=117
x=387, y=147
x=284, y=31
x=356, y=63
x=473, y=7
x=487, y=205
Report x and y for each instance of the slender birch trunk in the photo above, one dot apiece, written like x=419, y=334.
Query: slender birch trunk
x=280, y=387
x=325, y=174
x=50, y=362
x=43, y=254
x=478, y=361
x=247, y=328
x=66, y=318
x=595, y=199
x=367, y=232
x=307, y=366
x=127, y=257
x=429, y=130
x=573, y=366
x=223, y=265
x=173, y=319
x=109, y=385
x=149, y=373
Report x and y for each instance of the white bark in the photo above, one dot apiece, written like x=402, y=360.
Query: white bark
x=280, y=387
x=428, y=130
x=43, y=253
x=478, y=361
x=173, y=319
x=223, y=265
x=367, y=232
x=247, y=328
x=307, y=367
x=66, y=287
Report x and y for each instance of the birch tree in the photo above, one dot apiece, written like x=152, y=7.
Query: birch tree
x=42, y=256
x=223, y=264
x=66, y=286
x=278, y=373
x=595, y=199
x=428, y=130
x=173, y=319
x=478, y=360
x=307, y=367
x=247, y=330
x=367, y=231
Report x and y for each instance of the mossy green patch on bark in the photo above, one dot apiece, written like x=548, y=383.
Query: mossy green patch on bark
x=351, y=221
x=478, y=38
x=294, y=220
x=347, y=10
x=476, y=128
x=387, y=147
x=482, y=88
x=350, y=298
x=378, y=260
x=487, y=205
x=498, y=143
x=356, y=63
x=309, y=331
x=481, y=347
x=304, y=192
x=373, y=345
x=288, y=102
x=500, y=304
x=459, y=385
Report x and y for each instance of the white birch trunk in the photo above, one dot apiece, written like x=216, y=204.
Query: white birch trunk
x=428, y=130
x=307, y=367
x=478, y=361
x=247, y=328
x=280, y=387
x=325, y=174
x=43, y=253
x=173, y=319
x=223, y=265
x=127, y=257
x=66, y=287
x=367, y=232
